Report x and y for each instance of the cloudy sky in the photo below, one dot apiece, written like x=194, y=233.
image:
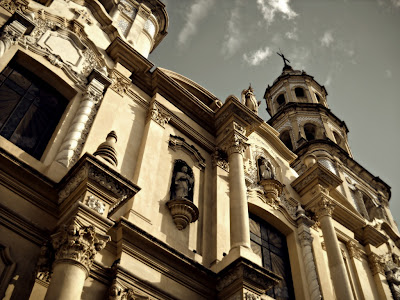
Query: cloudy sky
x=350, y=46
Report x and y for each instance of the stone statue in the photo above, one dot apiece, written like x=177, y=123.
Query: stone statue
x=250, y=100
x=182, y=184
x=393, y=277
x=266, y=169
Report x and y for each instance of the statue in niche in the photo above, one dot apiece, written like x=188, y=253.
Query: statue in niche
x=182, y=181
x=393, y=277
x=249, y=99
x=265, y=168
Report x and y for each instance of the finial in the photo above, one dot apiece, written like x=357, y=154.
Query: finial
x=106, y=149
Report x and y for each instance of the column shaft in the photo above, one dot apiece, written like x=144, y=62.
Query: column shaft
x=336, y=264
x=239, y=219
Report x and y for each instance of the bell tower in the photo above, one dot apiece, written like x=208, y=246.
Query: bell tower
x=299, y=111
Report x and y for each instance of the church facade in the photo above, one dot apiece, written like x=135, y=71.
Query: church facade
x=120, y=180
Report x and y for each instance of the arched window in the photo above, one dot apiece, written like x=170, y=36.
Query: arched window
x=30, y=109
x=280, y=100
x=269, y=244
x=285, y=138
x=310, y=131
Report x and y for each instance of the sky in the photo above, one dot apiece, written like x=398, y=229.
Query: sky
x=351, y=47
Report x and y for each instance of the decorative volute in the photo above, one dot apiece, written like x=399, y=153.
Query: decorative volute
x=107, y=151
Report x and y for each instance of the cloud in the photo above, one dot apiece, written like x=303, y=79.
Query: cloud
x=327, y=39
x=389, y=3
x=292, y=35
x=300, y=57
x=233, y=38
x=258, y=56
x=388, y=73
x=270, y=8
x=197, y=11
x=328, y=80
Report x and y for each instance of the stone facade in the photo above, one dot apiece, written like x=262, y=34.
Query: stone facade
x=148, y=186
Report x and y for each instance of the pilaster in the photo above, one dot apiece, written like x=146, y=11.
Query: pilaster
x=377, y=266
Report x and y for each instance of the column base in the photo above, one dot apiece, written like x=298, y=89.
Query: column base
x=234, y=254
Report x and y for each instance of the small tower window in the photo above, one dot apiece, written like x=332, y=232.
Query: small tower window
x=318, y=98
x=300, y=95
x=280, y=100
x=338, y=138
x=310, y=131
x=285, y=138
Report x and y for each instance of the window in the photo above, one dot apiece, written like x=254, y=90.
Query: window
x=300, y=95
x=270, y=245
x=318, y=98
x=29, y=109
x=338, y=139
x=285, y=138
x=310, y=131
x=280, y=100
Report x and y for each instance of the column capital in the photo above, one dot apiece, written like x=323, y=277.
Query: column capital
x=354, y=250
x=324, y=207
x=77, y=244
x=234, y=140
x=158, y=114
x=376, y=263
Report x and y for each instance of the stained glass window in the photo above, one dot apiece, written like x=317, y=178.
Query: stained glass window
x=270, y=245
x=29, y=109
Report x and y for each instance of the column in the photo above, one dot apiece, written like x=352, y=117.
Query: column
x=75, y=248
x=239, y=215
x=324, y=209
x=308, y=257
x=10, y=34
x=75, y=138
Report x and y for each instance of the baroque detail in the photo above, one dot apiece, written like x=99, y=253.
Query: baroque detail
x=376, y=263
x=392, y=271
x=235, y=144
x=10, y=35
x=272, y=190
x=158, y=114
x=43, y=266
x=95, y=204
x=183, y=212
x=118, y=292
x=250, y=296
x=354, y=250
x=220, y=159
x=178, y=143
x=120, y=83
x=324, y=207
x=14, y=5
x=75, y=138
x=106, y=150
x=78, y=244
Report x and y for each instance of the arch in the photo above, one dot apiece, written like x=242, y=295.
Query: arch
x=286, y=139
x=300, y=94
x=318, y=97
x=310, y=131
x=338, y=139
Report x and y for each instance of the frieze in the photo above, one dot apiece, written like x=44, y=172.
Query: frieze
x=95, y=204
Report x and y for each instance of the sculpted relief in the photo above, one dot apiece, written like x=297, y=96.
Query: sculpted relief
x=182, y=181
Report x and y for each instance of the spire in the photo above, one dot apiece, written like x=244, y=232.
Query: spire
x=106, y=149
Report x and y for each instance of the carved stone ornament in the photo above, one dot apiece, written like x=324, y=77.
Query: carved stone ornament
x=95, y=204
x=354, y=250
x=118, y=292
x=250, y=296
x=10, y=35
x=78, y=244
x=324, y=207
x=14, y=5
x=106, y=150
x=159, y=114
x=235, y=144
x=45, y=261
x=220, y=159
x=183, y=212
x=272, y=190
x=376, y=263
x=120, y=83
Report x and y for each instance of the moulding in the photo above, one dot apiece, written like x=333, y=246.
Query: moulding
x=178, y=143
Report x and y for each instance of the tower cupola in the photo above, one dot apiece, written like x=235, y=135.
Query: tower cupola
x=300, y=113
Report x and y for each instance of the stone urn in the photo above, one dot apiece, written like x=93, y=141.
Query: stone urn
x=183, y=212
x=272, y=190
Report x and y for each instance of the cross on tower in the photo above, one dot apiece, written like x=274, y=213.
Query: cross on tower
x=283, y=57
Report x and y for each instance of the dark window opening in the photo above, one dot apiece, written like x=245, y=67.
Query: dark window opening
x=310, y=131
x=299, y=92
x=29, y=109
x=280, y=100
x=270, y=245
x=285, y=138
x=318, y=98
x=338, y=139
